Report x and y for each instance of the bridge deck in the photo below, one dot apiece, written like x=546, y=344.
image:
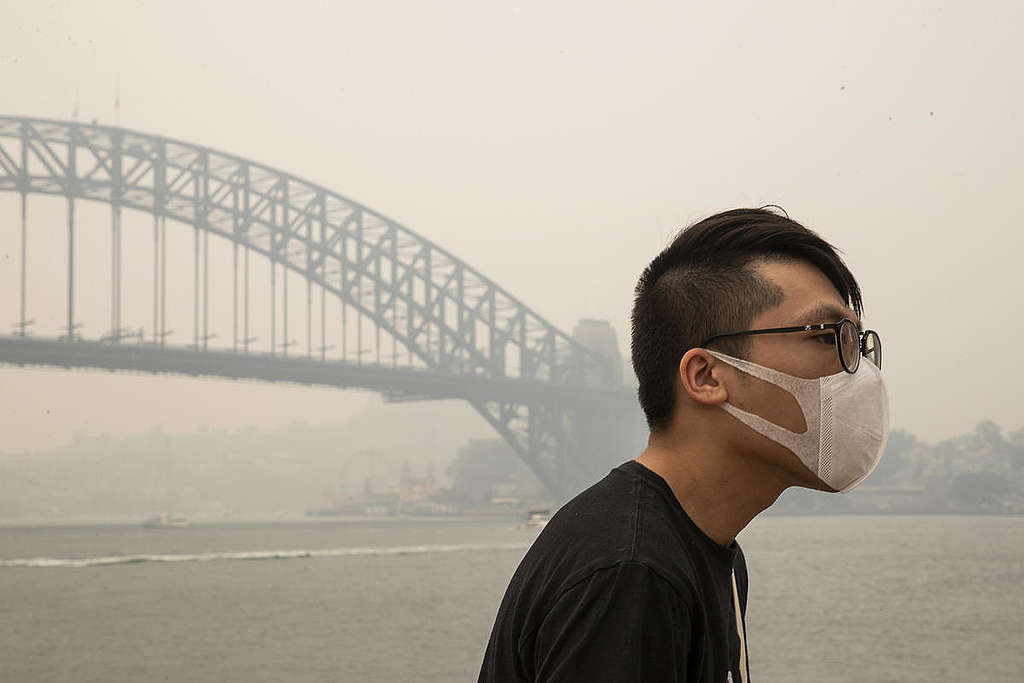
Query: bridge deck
x=396, y=383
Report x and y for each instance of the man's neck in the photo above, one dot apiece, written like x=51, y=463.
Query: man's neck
x=719, y=491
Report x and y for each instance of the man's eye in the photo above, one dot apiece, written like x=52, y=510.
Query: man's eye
x=829, y=339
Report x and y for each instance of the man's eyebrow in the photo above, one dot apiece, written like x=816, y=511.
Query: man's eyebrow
x=826, y=312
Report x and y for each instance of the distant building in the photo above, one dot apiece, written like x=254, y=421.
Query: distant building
x=599, y=335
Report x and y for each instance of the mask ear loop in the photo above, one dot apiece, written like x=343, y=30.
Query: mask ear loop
x=806, y=445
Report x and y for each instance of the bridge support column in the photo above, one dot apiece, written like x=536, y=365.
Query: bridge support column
x=596, y=439
x=206, y=288
x=195, y=302
x=273, y=308
x=245, y=302
x=234, y=297
x=284, y=309
x=115, y=273
x=71, y=268
x=23, y=323
x=156, y=278
x=163, y=280
x=159, y=279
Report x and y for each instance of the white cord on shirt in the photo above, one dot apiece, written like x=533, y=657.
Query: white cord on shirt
x=739, y=630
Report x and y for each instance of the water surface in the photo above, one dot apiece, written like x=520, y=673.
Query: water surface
x=832, y=599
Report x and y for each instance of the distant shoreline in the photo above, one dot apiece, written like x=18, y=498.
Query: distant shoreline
x=298, y=519
x=430, y=519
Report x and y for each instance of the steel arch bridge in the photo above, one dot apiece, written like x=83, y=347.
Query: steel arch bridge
x=557, y=402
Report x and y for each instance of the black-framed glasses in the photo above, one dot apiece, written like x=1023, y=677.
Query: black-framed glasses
x=850, y=342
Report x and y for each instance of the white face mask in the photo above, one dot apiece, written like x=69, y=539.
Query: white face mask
x=847, y=416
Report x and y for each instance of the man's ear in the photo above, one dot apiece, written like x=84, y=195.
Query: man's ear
x=701, y=375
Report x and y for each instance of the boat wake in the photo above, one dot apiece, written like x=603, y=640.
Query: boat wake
x=253, y=555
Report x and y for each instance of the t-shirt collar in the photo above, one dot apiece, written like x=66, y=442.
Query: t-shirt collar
x=727, y=554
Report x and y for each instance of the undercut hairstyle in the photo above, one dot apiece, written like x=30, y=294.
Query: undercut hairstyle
x=704, y=283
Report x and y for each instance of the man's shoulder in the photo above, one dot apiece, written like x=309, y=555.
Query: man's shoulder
x=616, y=540
x=619, y=519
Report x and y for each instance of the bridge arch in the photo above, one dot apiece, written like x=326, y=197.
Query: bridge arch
x=457, y=322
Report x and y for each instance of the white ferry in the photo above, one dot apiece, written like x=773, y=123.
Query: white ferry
x=166, y=519
x=536, y=519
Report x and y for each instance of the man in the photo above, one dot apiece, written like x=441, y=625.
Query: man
x=749, y=358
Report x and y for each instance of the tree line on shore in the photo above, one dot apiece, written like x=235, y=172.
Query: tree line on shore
x=978, y=472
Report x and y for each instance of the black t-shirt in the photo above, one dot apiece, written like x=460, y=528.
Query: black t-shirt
x=620, y=585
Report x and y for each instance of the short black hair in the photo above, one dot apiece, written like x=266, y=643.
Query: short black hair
x=703, y=284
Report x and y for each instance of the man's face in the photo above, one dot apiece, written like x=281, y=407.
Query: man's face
x=810, y=298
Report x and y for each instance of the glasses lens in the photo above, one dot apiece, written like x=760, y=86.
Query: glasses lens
x=873, y=348
x=849, y=347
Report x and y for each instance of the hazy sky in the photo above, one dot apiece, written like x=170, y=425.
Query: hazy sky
x=558, y=146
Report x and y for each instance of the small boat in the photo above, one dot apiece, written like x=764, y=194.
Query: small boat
x=535, y=519
x=165, y=520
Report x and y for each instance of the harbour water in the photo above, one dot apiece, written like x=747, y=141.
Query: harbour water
x=832, y=598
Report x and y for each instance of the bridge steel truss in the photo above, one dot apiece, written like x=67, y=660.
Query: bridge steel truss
x=560, y=409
